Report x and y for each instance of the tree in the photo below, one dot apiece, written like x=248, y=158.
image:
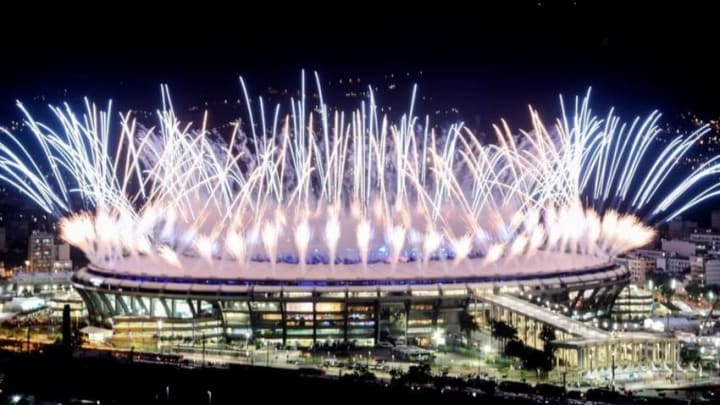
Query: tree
x=667, y=292
x=662, y=281
x=533, y=359
x=658, y=278
x=690, y=355
x=515, y=348
x=468, y=324
x=503, y=333
x=537, y=360
x=695, y=291
x=419, y=374
x=547, y=335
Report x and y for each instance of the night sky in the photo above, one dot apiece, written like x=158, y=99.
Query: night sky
x=491, y=61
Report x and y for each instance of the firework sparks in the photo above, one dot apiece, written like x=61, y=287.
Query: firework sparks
x=351, y=188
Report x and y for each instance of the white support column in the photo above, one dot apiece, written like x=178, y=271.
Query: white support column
x=607, y=351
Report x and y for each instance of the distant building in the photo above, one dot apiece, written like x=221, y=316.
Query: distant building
x=62, y=265
x=673, y=264
x=62, y=251
x=697, y=268
x=46, y=255
x=704, y=269
x=18, y=238
x=682, y=247
x=651, y=253
x=57, y=303
x=677, y=228
x=639, y=266
x=633, y=303
x=26, y=284
x=699, y=254
x=61, y=257
x=24, y=304
x=41, y=249
x=706, y=241
x=712, y=271
x=715, y=220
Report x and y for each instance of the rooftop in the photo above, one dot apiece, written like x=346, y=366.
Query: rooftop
x=540, y=263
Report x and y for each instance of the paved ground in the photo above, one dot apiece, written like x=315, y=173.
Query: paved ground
x=454, y=364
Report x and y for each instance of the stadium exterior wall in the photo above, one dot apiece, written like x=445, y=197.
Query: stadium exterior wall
x=290, y=313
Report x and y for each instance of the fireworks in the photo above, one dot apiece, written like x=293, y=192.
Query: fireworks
x=317, y=192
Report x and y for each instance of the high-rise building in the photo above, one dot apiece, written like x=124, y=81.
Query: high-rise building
x=712, y=271
x=682, y=247
x=41, y=249
x=639, y=266
x=680, y=229
x=715, y=220
x=46, y=255
x=706, y=241
x=61, y=259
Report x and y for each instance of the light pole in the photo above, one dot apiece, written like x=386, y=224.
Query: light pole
x=673, y=284
x=203, y=348
x=209, y=397
x=612, y=378
x=700, y=364
x=159, y=331
x=28, y=336
x=247, y=339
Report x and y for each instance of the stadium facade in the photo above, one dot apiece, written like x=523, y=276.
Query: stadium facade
x=301, y=312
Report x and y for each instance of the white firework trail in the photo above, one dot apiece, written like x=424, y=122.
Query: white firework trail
x=351, y=188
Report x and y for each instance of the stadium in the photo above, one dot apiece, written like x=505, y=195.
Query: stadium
x=325, y=226
x=302, y=312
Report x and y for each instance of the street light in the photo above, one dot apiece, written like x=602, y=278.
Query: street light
x=438, y=337
x=248, y=334
x=486, y=349
x=209, y=397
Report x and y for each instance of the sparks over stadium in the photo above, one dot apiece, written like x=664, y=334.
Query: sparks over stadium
x=303, y=206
